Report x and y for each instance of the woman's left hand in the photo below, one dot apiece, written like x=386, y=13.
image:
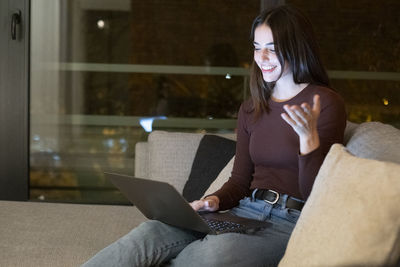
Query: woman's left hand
x=210, y=203
x=303, y=120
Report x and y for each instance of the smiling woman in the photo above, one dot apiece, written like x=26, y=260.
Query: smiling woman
x=270, y=179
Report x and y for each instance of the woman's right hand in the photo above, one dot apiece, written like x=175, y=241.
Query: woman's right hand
x=210, y=203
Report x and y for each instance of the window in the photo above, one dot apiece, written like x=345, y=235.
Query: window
x=112, y=71
x=106, y=73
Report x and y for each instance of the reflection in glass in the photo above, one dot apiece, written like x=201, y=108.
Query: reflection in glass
x=106, y=73
x=103, y=72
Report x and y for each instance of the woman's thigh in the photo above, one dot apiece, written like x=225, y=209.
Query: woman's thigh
x=262, y=248
x=151, y=243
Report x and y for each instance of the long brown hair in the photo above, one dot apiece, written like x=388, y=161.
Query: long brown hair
x=295, y=45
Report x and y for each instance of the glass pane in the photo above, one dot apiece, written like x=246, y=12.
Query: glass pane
x=360, y=45
x=105, y=73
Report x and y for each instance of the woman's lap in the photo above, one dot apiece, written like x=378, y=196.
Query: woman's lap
x=153, y=243
x=264, y=247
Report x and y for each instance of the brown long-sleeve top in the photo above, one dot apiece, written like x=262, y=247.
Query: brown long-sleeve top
x=267, y=150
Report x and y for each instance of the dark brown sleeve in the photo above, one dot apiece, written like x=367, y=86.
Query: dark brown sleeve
x=238, y=185
x=331, y=125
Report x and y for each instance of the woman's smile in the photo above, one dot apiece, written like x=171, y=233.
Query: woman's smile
x=268, y=68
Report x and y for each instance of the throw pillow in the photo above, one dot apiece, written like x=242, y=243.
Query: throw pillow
x=222, y=177
x=352, y=217
x=212, y=155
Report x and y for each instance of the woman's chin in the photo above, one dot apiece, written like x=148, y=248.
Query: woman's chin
x=269, y=79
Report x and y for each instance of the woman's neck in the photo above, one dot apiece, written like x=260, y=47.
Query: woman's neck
x=285, y=88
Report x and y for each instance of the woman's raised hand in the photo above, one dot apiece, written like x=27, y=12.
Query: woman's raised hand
x=303, y=120
x=210, y=203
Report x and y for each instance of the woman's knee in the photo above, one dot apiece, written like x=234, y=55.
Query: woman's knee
x=150, y=225
x=147, y=231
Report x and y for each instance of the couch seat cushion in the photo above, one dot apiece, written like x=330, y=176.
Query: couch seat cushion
x=49, y=234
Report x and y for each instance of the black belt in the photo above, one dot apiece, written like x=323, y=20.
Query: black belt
x=273, y=197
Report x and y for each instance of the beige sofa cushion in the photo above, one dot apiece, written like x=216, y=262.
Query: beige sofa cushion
x=171, y=156
x=50, y=234
x=352, y=217
x=141, y=160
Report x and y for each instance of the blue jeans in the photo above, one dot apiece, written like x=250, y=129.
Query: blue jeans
x=154, y=243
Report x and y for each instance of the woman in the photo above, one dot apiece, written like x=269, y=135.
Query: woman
x=284, y=132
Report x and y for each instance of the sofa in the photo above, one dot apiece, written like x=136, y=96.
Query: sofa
x=55, y=234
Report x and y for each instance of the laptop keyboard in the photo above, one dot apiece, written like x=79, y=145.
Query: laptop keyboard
x=222, y=225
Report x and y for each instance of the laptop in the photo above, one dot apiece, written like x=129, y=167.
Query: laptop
x=161, y=201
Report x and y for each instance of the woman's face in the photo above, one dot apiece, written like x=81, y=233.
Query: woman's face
x=264, y=54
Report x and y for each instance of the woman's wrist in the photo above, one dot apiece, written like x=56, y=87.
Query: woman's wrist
x=309, y=144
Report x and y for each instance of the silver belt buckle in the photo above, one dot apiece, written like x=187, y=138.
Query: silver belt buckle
x=276, y=198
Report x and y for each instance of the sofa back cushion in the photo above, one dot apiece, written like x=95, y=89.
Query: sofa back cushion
x=375, y=140
x=141, y=160
x=349, y=131
x=171, y=155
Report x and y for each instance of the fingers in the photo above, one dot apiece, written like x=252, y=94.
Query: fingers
x=303, y=119
x=197, y=205
x=316, y=104
x=306, y=108
x=304, y=114
x=210, y=205
x=204, y=205
x=288, y=119
x=297, y=114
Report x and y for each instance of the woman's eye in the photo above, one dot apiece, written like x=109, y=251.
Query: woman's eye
x=256, y=49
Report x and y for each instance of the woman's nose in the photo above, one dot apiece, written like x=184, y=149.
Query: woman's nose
x=265, y=54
